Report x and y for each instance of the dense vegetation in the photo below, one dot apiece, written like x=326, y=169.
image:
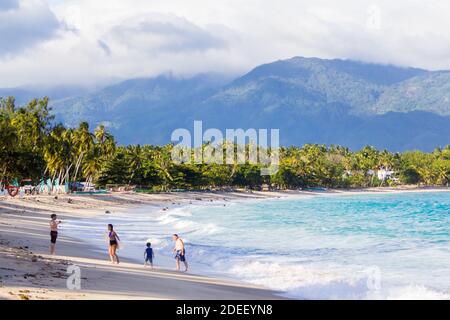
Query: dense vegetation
x=33, y=146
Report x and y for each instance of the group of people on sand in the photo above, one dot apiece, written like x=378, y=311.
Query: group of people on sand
x=179, y=250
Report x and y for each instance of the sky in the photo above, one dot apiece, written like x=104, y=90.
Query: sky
x=93, y=42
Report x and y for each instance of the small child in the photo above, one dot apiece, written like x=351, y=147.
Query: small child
x=149, y=255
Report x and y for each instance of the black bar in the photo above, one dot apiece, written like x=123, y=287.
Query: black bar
x=227, y=309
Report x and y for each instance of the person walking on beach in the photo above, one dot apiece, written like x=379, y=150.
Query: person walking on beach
x=53, y=233
x=180, y=252
x=149, y=255
x=113, y=244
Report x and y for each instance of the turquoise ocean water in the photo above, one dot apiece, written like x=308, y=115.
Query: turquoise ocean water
x=385, y=246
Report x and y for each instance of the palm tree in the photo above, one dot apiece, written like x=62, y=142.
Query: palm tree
x=385, y=161
x=135, y=161
x=163, y=163
x=83, y=141
x=93, y=163
x=58, y=153
x=106, y=142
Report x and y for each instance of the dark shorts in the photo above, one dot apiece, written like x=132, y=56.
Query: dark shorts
x=113, y=242
x=181, y=257
x=149, y=259
x=53, y=236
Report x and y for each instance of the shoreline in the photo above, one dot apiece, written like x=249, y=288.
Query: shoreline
x=28, y=272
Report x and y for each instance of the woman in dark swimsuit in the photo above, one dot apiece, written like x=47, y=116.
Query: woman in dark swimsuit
x=113, y=244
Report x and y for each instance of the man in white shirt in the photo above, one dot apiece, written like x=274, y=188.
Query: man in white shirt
x=180, y=252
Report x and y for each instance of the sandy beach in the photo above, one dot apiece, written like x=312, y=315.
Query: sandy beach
x=28, y=272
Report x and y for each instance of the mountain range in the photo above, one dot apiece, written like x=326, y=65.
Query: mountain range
x=310, y=100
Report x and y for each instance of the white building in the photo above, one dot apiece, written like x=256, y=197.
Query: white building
x=384, y=174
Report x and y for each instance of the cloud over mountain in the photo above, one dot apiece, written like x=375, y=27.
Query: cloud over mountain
x=161, y=34
x=107, y=40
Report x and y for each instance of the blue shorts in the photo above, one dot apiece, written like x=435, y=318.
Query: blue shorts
x=149, y=259
x=179, y=256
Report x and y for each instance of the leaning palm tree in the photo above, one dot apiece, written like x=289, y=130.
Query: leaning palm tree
x=83, y=141
x=57, y=153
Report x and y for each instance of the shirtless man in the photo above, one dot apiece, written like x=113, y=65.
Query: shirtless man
x=180, y=252
x=53, y=233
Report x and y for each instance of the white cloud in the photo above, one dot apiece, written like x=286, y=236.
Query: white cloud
x=25, y=24
x=115, y=39
x=157, y=34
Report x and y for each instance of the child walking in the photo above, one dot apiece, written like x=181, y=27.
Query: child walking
x=149, y=255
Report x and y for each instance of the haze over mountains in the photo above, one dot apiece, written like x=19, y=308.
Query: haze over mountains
x=310, y=100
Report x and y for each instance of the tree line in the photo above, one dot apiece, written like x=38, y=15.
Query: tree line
x=34, y=146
